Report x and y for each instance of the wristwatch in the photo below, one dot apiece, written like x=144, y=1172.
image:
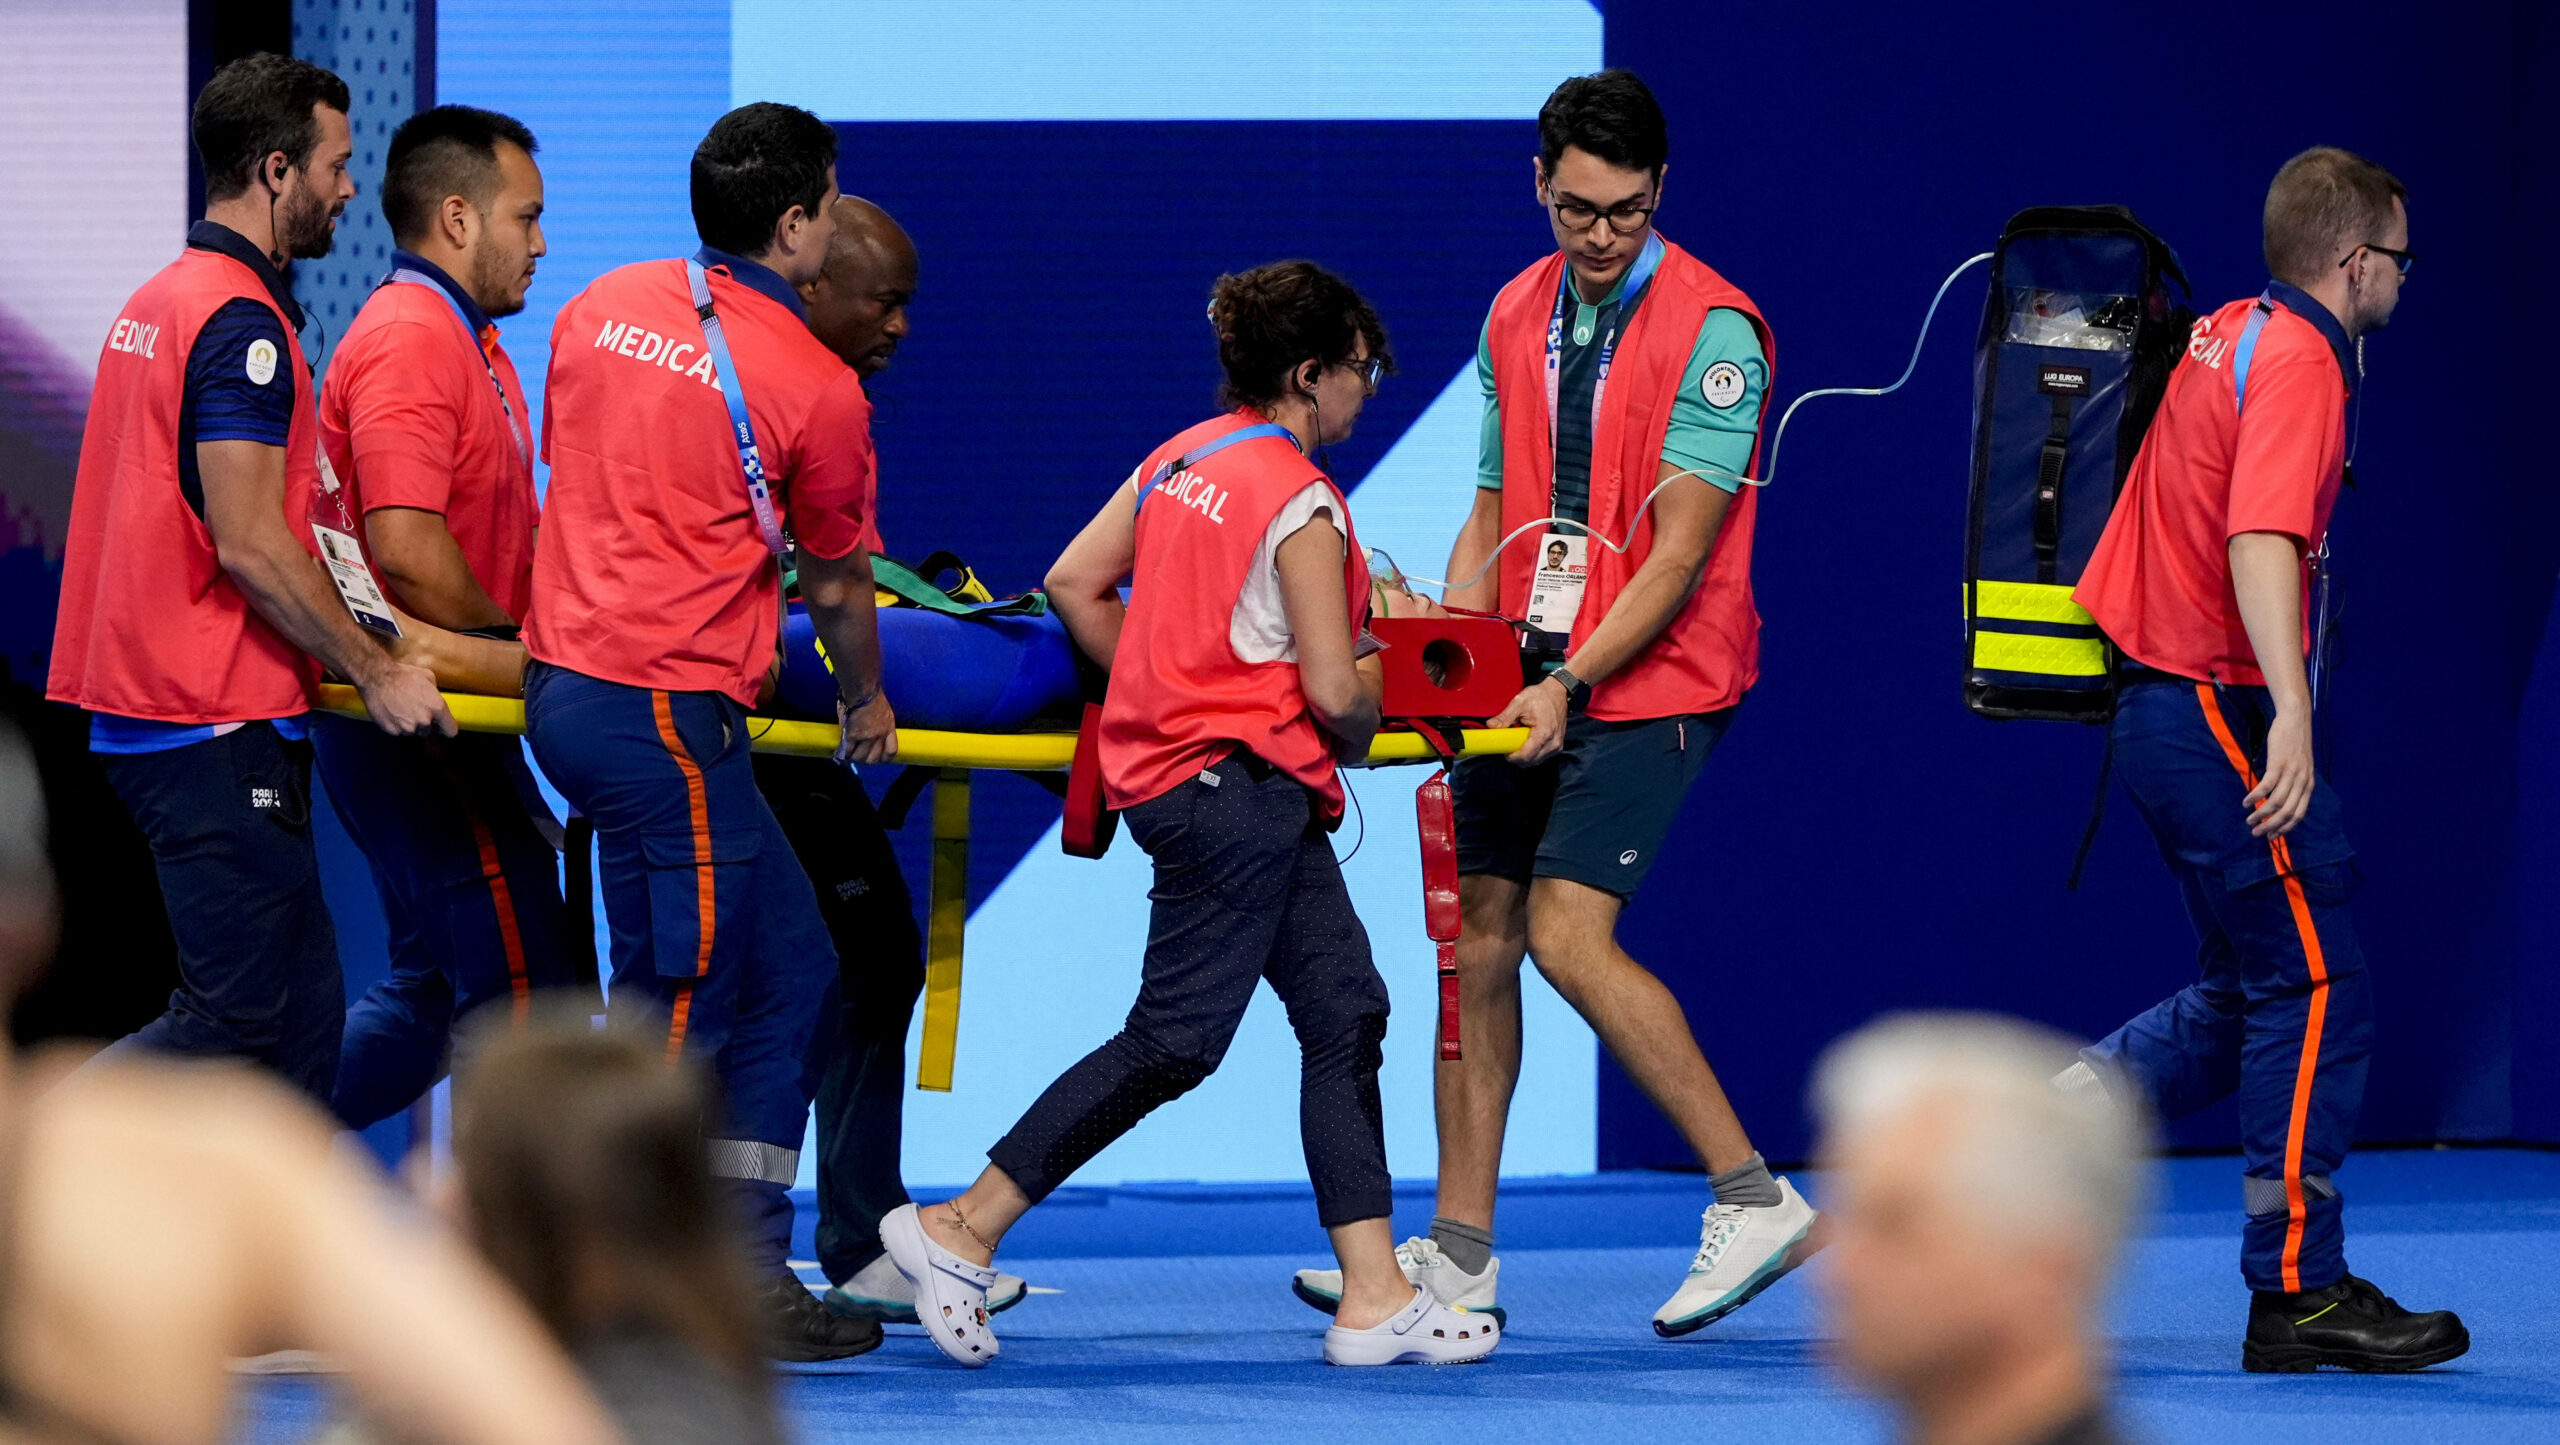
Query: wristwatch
x=1576, y=691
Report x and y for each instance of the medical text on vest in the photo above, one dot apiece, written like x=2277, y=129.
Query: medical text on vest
x=1195, y=491
x=641, y=344
x=134, y=338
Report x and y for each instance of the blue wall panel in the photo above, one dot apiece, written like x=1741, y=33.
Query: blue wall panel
x=1863, y=843
x=373, y=47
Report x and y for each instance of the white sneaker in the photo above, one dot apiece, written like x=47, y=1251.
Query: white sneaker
x=878, y=1292
x=1426, y=1266
x=1741, y=1252
x=1425, y=1332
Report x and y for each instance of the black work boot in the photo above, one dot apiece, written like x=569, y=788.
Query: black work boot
x=798, y=1328
x=2351, y=1325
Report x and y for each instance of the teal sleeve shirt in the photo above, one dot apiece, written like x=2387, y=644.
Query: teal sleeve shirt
x=1714, y=418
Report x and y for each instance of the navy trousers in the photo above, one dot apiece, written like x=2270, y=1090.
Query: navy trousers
x=859, y=1069
x=2282, y=1012
x=716, y=935
x=229, y=821
x=1246, y=889
x=470, y=889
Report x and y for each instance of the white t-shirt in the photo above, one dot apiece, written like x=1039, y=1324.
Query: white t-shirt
x=1259, y=631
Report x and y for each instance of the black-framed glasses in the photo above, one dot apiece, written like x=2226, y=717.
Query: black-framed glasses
x=2402, y=259
x=1625, y=219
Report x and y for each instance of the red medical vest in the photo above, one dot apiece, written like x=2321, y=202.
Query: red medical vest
x=149, y=625
x=410, y=420
x=651, y=571
x=1708, y=655
x=2159, y=583
x=1180, y=697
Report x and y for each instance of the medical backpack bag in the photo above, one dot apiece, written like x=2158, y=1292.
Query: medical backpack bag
x=2078, y=338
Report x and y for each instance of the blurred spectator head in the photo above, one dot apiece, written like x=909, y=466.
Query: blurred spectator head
x=1976, y=1212
x=585, y=1179
x=30, y=910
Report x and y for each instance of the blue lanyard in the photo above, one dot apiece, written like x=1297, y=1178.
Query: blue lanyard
x=2321, y=576
x=2248, y=348
x=732, y=388
x=1208, y=449
x=406, y=276
x=1630, y=292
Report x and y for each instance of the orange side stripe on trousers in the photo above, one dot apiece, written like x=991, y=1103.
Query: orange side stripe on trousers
x=503, y=898
x=2317, y=1014
x=698, y=805
x=676, y=1021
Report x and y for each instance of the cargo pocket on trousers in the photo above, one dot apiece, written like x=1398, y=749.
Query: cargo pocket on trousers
x=264, y=771
x=2326, y=870
x=699, y=892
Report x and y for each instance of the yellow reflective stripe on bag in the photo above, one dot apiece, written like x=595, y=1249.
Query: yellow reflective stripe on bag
x=2029, y=602
x=2050, y=656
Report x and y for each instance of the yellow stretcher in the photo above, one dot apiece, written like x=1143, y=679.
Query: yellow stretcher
x=955, y=755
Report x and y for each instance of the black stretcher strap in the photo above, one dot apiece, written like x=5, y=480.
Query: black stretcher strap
x=577, y=866
x=2050, y=465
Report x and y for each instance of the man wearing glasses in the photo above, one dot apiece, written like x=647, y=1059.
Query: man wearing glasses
x=1623, y=384
x=2201, y=582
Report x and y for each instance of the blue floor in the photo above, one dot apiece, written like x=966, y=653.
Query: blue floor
x=1174, y=1319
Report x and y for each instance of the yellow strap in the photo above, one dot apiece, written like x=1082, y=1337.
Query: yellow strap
x=2029, y=602
x=2048, y=656
x=946, y=927
x=917, y=747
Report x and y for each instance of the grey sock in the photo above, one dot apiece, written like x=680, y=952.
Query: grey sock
x=1467, y=1247
x=1747, y=1184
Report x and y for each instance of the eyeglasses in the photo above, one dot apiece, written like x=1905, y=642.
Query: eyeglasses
x=2403, y=259
x=1626, y=220
x=1368, y=371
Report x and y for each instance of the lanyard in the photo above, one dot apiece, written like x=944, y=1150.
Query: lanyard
x=1630, y=292
x=524, y=453
x=2322, y=577
x=1211, y=448
x=732, y=389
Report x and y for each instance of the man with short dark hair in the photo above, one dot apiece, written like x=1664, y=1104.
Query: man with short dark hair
x=1647, y=653
x=192, y=604
x=2201, y=580
x=858, y=308
x=858, y=303
x=426, y=424
x=691, y=413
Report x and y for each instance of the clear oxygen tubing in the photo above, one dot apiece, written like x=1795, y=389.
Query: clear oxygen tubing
x=1701, y=473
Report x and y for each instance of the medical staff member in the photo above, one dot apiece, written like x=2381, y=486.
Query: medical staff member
x=689, y=414
x=858, y=308
x=1618, y=370
x=2200, y=580
x=426, y=424
x=192, y=604
x=1236, y=688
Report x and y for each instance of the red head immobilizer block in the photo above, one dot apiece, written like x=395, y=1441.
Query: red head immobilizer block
x=1460, y=667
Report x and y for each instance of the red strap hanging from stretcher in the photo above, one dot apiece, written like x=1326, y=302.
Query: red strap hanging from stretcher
x=1089, y=823
x=1437, y=814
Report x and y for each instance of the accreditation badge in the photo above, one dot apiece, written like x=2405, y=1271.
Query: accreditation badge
x=335, y=531
x=1555, y=587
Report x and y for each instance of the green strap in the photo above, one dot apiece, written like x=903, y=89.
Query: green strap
x=902, y=582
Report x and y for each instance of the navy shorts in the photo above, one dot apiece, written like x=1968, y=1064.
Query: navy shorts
x=1596, y=812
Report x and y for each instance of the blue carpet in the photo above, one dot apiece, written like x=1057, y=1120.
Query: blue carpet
x=1174, y=1320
